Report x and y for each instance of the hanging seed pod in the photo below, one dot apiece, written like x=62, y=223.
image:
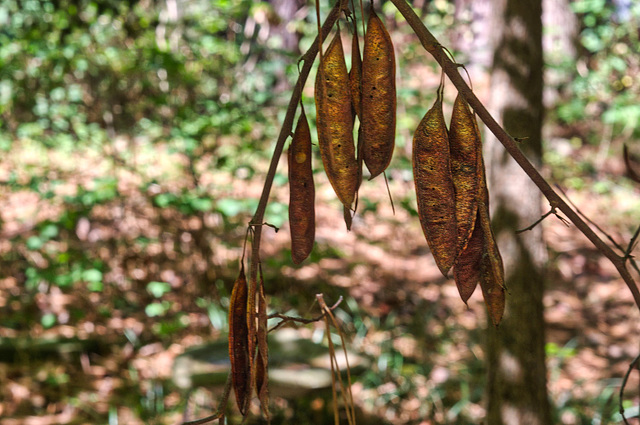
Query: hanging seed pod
x=467, y=268
x=434, y=186
x=262, y=360
x=464, y=143
x=355, y=75
x=335, y=125
x=239, y=341
x=302, y=216
x=378, y=96
x=492, y=268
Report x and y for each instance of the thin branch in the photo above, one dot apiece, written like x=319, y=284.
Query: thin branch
x=285, y=131
x=627, y=254
x=588, y=220
x=551, y=211
x=286, y=319
x=632, y=244
x=624, y=384
x=432, y=46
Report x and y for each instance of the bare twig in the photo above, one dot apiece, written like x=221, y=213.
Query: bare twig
x=624, y=384
x=588, y=220
x=430, y=43
x=551, y=211
x=286, y=319
x=627, y=254
x=632, y=244
x=347, y=395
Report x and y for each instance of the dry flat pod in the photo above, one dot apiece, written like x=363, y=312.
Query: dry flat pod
x=378, y=96
x=262, y=360
x=302, y=216
x=335, y=124
x=239, y=341
x=355, y=74
x=434, y=187
x=464, y=143
x=492, y=269
x=467, y=268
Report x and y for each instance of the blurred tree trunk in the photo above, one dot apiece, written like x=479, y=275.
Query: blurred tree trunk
x=560, y=41
x=517, y=392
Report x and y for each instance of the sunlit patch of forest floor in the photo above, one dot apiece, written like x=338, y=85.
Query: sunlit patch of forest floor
x=136, y=266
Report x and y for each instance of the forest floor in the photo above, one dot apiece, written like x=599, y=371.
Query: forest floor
x=149, y=277
x=397, y=307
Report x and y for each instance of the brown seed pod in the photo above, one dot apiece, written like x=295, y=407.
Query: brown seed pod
x=467, y=268
x=378, y=96
x=302, y=216
x=434, y=187
x=464, y=143
x=355, y=75
x=492, y=272
x=239, y=341
x=262, y=360
x=335, y=126
x=492, y=268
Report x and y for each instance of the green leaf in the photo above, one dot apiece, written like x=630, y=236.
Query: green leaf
x=34, y=243
x=49, y=231
x=156, y=309
x=95, y=286
x=158, y=289
x=230, y=207
x=48, y=320
x=92, y=275
x=202, y=204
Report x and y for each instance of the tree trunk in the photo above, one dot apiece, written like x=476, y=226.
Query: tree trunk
x=517, y=392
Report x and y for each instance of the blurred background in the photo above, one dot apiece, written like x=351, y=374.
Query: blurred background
x=135, y=138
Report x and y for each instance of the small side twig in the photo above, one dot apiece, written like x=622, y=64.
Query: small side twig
x=624, y=384
x=632, y=244
x=287, y=319
x=627, y=254
x=274, y=227
x=551, y=211
x=588, y=220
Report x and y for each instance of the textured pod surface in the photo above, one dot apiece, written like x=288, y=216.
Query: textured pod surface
x=378, y=96
x=335, y=123
x=355, y=75
x=302, y=216
x=239, y=341
x=492, y=268
x=492, y=271
x=434, y=187
x=467, y=268
x=464, y=144
x=262, y=360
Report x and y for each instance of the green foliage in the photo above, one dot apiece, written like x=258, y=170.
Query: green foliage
x=602, y=85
